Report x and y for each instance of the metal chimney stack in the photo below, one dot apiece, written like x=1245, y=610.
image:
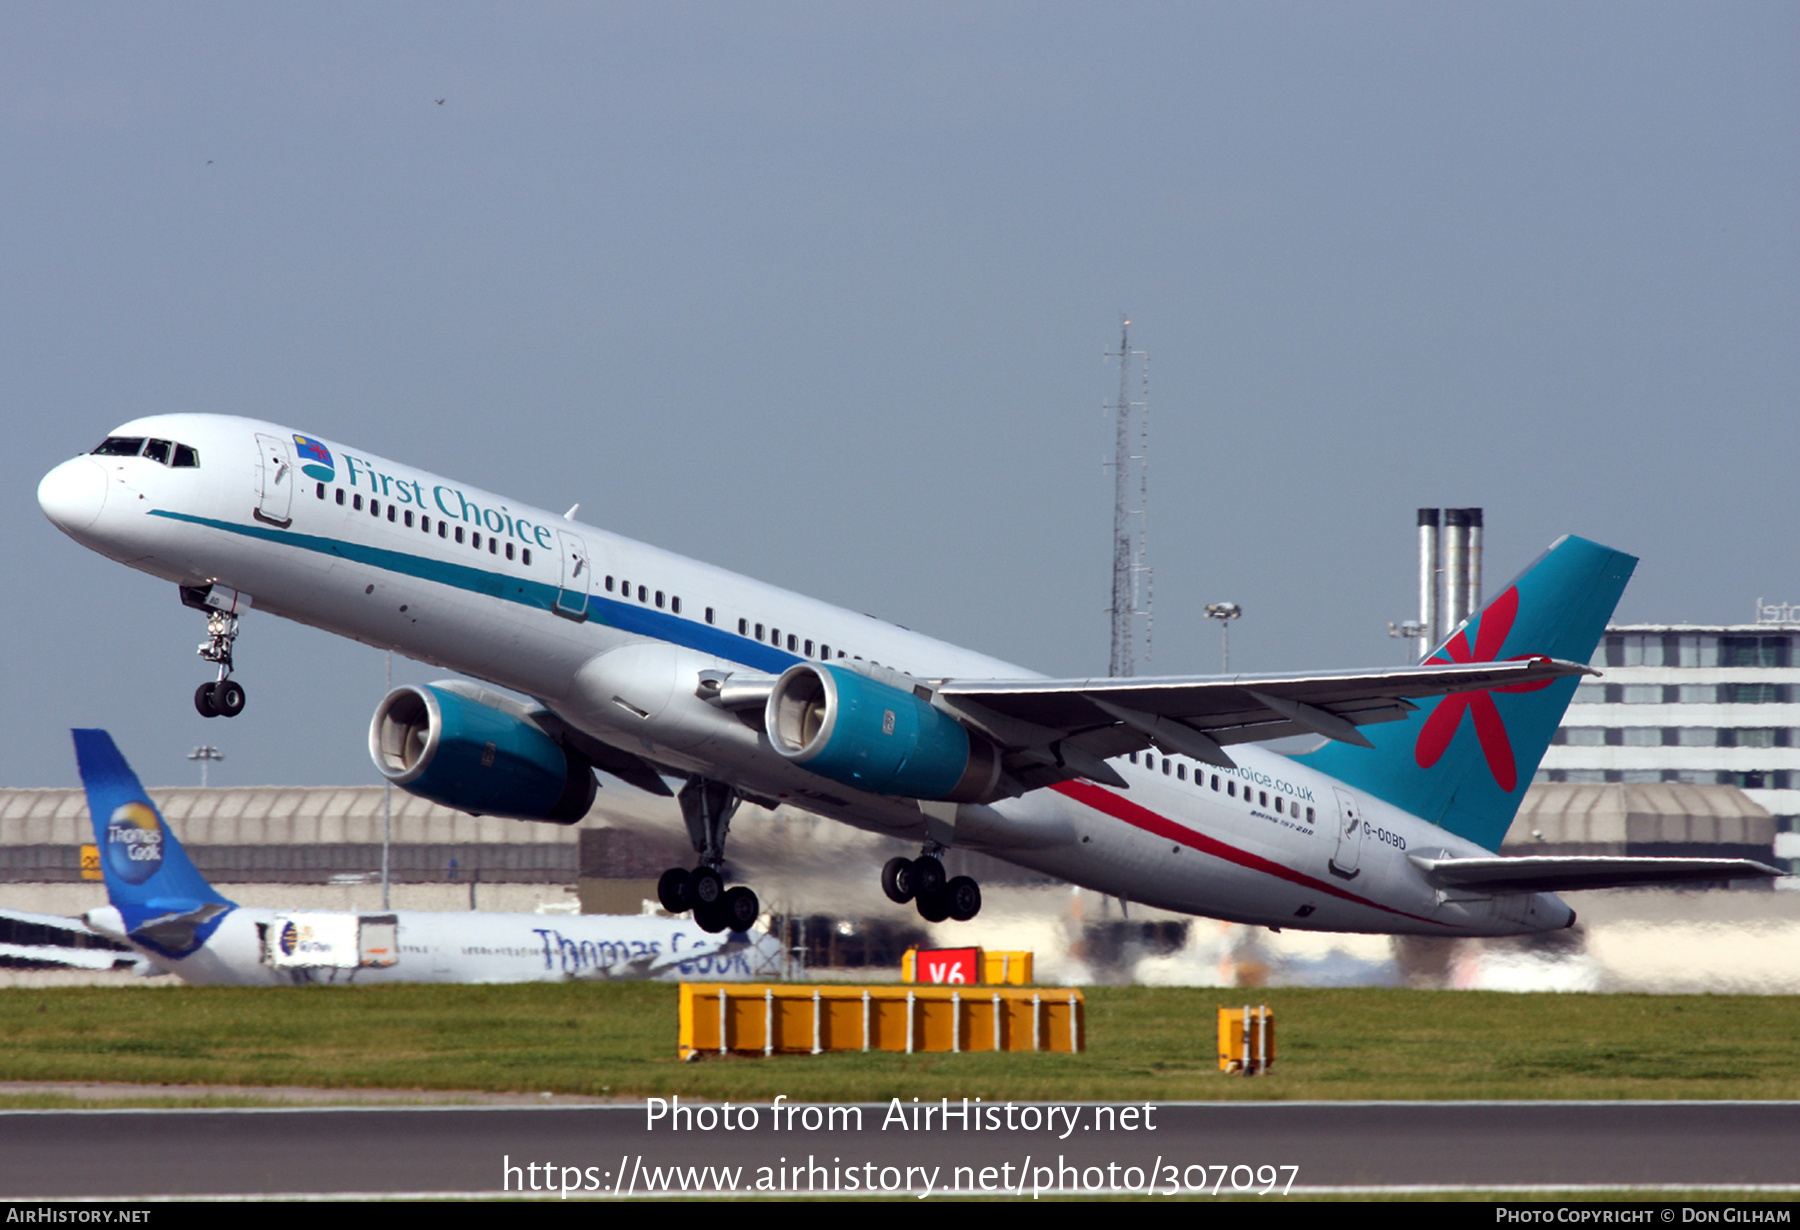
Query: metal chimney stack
x=1456, y=567
x=1474, y=562
x=1429, y=628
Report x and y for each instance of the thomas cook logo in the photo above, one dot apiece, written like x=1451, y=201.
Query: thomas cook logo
x=134, y=845
x=315, y=459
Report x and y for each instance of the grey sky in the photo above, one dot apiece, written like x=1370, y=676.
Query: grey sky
x=820, y=292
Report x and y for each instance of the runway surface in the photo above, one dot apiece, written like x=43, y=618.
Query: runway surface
x=1170, y=1148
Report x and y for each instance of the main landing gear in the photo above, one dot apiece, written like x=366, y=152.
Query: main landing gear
x=708, y=806
x=921, y=880
x=225, y=696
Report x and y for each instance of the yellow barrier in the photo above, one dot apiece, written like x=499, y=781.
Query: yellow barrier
x=998, y=969
x=738, y=1018
x=1246, y=1039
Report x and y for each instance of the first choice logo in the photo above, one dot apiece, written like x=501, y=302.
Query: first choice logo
x=134, y=846
x=289, y=939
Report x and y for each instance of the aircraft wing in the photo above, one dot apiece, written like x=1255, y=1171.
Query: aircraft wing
x=1556, y=874
x=1082, y=722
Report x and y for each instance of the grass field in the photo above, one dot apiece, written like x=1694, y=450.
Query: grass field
x=1145, y=1044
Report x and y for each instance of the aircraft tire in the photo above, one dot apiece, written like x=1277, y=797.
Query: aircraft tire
x=936, y=907
x=927, y=877
x=704, y=888
x=710, y=918
x=203, y=701
x=672, y=891
x=228, y=698
x=896, y=880
x=740, y=908
x=964, y=898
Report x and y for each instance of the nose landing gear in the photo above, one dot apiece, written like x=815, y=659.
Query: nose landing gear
x=224, y=697
x=921, y=880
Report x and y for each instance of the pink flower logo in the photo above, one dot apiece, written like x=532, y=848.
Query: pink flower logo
x=1441, y=727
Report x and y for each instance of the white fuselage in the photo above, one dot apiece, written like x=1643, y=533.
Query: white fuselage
x=1255, y=845
x=471, y=947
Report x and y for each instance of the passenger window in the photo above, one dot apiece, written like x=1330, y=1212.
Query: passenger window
x=1181, y=772
x=1133, y=758
x=743, y=627
x=528, y=557
x=157, y=451
x=759, y=631
x=825, y=653
x=475, y=539
x=356, y=502
x=675, y=605
x=1167, y=767
x=444, y=528
x=393, y=512
x=185, y=458
x=609, y=584
x=1149, y=761
x=374, y=507
x=493, y=545
x=340, y=495
x=793, y=642
x=809, y=649
x=1262, y=799
x=775, y=637
x=659, y=599
x=120, y=446
x=625, y=590
x=425, y=523
x=1231, y=789
x=409, y=518
x=1215, y=781
x=709, y=614
x=509, y=550
x=643, y=593
x=1309, y=815
x=459, y=533
x=321, y=491
x=1278, y=805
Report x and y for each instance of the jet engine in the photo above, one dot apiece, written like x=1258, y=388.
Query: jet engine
x=873, y=736
x=482, y=755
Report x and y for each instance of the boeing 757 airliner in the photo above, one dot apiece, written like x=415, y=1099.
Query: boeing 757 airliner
x=647, y=666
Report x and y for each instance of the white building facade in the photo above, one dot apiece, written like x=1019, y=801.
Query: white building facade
x=1703, y=705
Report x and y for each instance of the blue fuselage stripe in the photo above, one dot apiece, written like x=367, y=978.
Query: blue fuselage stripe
x=625, y=616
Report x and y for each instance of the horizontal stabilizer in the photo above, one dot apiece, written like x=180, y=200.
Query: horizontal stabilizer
x=1555, y=874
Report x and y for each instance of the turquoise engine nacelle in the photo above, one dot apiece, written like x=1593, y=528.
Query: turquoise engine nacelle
x=873, y=736
x=451, y=749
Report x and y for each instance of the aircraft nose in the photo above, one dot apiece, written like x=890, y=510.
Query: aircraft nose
x=73, y=493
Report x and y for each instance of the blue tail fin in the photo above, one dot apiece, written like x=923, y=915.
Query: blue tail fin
x=166, y=903
x=1464, y=762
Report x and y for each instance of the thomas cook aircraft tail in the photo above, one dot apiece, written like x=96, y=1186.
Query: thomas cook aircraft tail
x=1464, y=762
x=165, y=902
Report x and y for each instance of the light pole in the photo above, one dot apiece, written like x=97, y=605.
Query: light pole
x=1224, y=612
x=205, y=753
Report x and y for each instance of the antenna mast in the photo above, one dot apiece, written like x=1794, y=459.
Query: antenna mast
x=1132, y=582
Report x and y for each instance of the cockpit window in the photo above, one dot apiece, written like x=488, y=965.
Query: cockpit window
x=166, y=452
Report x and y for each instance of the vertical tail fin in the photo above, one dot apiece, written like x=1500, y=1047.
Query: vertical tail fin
x=166, y=903
x=1465, y=761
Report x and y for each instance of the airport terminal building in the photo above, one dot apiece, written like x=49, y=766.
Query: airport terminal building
x=1697, y=704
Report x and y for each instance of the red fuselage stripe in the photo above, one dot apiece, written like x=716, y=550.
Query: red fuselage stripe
x=1106, y=801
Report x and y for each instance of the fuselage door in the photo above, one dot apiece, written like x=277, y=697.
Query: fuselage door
x=1350, y=837
x=274, y=480
x=572, y=598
